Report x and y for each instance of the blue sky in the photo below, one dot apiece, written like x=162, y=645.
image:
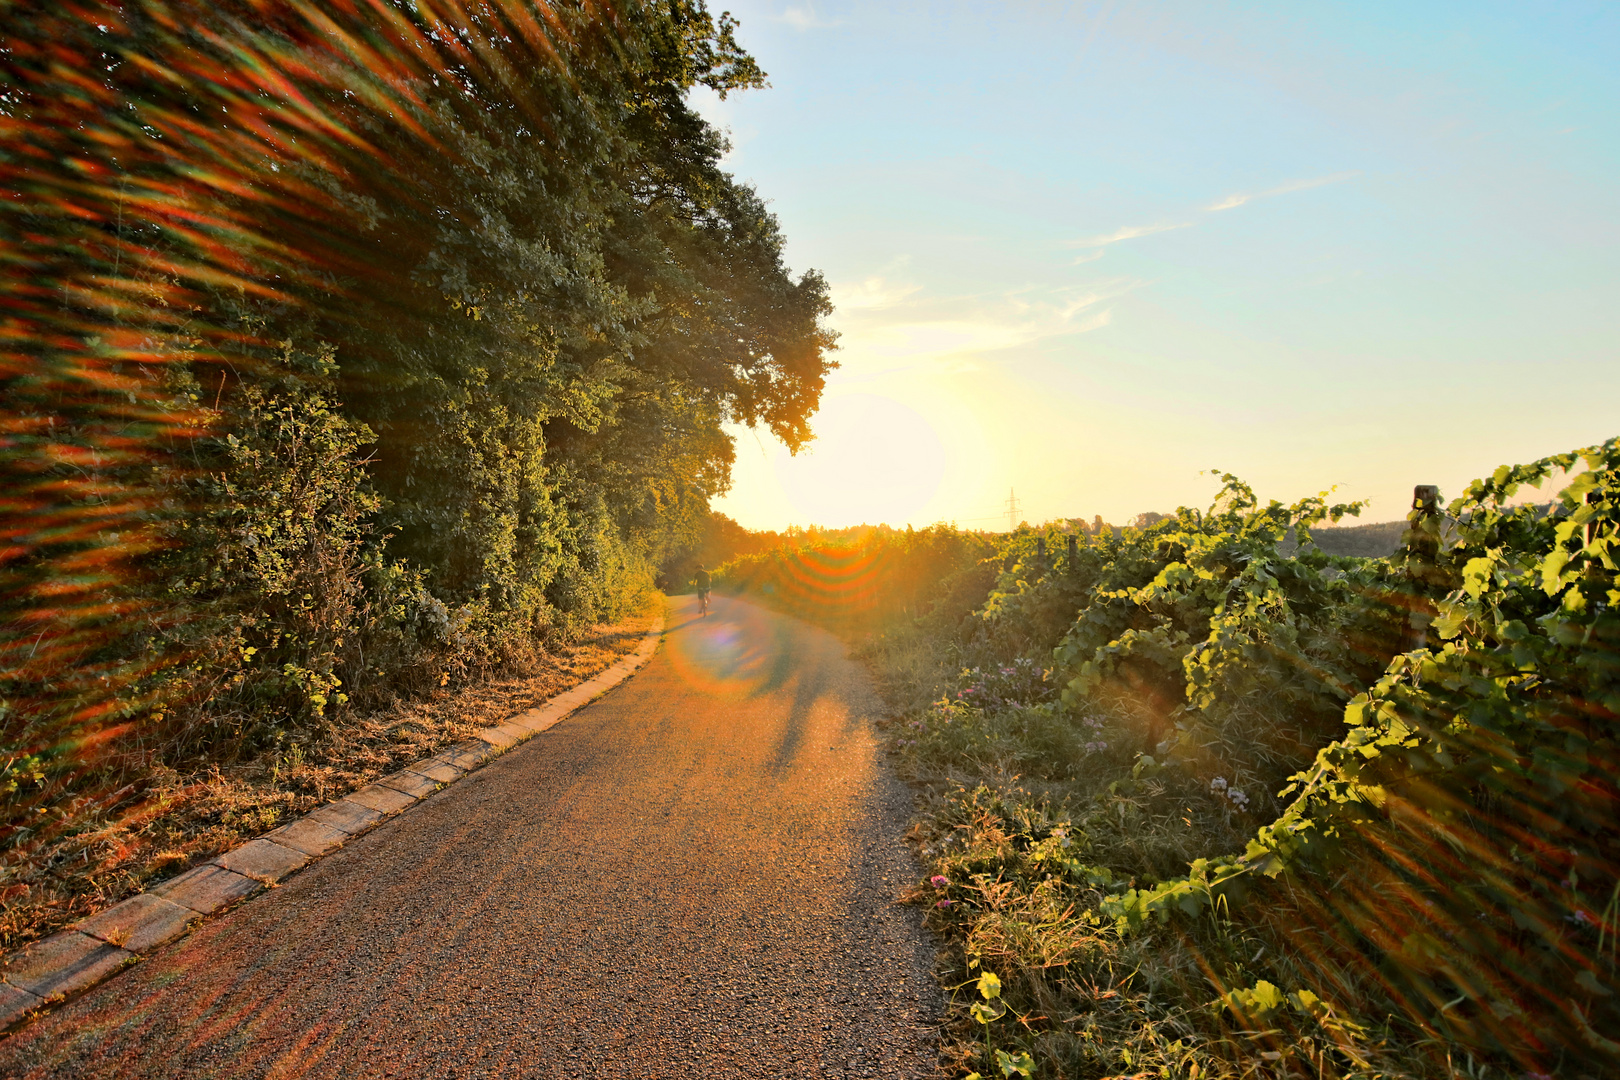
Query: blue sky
x=1090, y=251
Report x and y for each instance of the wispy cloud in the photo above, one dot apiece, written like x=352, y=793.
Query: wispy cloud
x=1095, y=321
x=896, y=331
x=872, y=294
x=1233, y=201
x=1129, y=232
x=1067, y=313
x=805, y=18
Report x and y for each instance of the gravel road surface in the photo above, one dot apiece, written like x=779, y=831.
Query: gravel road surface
x=694, y=877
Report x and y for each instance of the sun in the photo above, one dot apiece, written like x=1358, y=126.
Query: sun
x=874, y=460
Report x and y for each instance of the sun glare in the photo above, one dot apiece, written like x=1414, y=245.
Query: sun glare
x=874, y=460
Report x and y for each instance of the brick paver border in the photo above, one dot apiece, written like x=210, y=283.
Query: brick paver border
x=50, y=970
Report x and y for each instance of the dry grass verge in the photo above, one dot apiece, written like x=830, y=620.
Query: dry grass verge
x=178, y=818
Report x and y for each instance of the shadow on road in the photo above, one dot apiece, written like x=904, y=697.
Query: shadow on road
x=694, y=876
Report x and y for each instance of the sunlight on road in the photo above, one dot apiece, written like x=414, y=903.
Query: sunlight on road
x=736, y=650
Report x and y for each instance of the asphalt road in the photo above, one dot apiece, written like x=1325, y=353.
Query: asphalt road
x=694, y=877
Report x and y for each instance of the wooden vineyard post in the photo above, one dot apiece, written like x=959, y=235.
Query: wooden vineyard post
x=1423, y=529
x=1421, y=544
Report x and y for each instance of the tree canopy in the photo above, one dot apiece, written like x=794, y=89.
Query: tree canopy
x=463, y=286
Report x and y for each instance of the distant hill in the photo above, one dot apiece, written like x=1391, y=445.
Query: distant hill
x=1380, y=539
x=1376, y=540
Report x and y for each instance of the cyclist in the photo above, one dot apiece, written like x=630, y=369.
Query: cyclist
x=701, y=580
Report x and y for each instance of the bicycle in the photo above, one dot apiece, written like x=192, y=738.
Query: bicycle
x=701, y=582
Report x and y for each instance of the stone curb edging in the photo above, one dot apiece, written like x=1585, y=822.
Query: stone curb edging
x=48, y=971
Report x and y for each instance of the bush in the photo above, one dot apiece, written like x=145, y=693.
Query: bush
x=1436, y=886
x=870, y=579
x=516, y=299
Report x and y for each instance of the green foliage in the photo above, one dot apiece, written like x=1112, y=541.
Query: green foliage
x=421, y=356
x=283, y=554
x=1438, y=883
x=278, y=589
x=569, y=305
x=1479, y=777
x=1161, y=639
x=1197, y=613
x=1016, y=895
x=872, y=578
x=713, y=542
x=560, y=309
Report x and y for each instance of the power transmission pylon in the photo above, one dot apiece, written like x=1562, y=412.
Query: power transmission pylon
x=1012, y=511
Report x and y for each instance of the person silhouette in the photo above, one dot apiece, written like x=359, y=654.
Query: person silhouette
x=702, y=581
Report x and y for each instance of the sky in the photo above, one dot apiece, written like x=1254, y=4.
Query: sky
x=1089, y=253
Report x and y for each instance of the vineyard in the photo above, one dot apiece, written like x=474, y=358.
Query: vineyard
x=1201, y=799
